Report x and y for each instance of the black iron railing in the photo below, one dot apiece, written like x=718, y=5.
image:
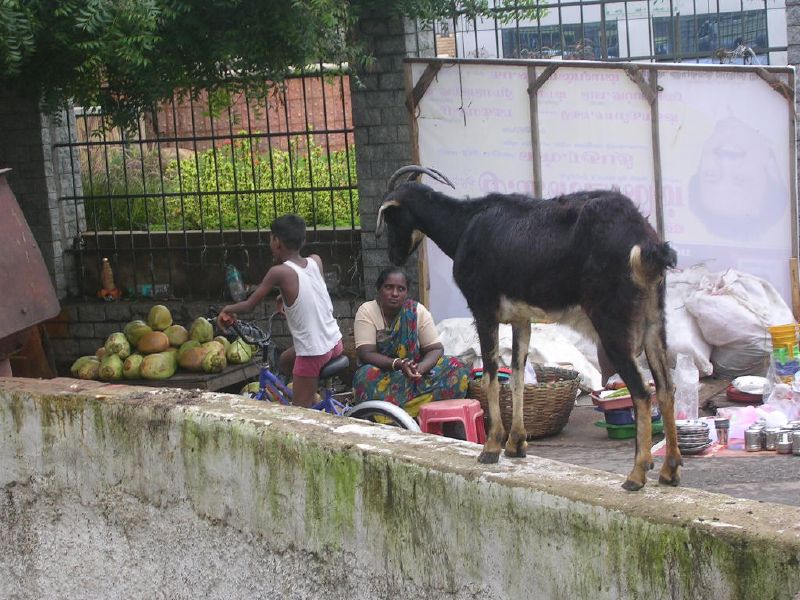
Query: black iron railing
x=196, y=184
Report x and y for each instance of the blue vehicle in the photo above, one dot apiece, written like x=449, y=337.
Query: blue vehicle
x=273, y=388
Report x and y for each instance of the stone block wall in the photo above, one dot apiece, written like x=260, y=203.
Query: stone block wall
x=383, y=129
x=41, y=174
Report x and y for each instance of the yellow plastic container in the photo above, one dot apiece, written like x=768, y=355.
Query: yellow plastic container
x=784, y=336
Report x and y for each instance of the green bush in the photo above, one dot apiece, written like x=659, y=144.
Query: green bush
x=232, y=186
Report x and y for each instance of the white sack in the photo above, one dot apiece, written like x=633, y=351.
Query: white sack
x=733, y=310
x=683, y=333
x=549, y=345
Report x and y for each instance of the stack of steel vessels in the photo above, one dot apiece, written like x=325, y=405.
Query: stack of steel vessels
x=693, y=436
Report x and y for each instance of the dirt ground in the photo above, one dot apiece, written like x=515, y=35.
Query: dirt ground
x=764, y=476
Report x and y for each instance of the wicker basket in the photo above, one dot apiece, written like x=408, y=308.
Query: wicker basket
x=546, y=405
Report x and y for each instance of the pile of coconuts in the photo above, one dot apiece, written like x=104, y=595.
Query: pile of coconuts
x=157, y=348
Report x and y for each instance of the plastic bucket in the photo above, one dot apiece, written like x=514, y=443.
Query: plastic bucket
x=783, y=334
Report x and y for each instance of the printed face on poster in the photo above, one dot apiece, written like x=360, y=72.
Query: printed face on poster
x=725, y=151
x=725, y=142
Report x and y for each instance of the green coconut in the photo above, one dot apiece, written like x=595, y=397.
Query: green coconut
x=135, y=330
x=132, y=367
x=177, y=335
x=249, y=389
x=222, y=340
x=185, y=347
x=158, y=366
x=192, y=359
x=173, y=354
x=111, y=368
x=89, y=370
x=214, y=362
x=239, y=352
x=201, y=330
x=159, y=318
x=76, y=366
x=117, y=344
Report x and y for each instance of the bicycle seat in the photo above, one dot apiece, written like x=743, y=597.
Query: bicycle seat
x=334, y=366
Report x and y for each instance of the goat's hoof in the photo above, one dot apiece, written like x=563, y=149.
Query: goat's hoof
x=632, y=486
x=518, y=453
x=673, y=462
x=673, y=481
x=488, y=458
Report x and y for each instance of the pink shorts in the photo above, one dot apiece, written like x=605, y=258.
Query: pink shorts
x=310, y=366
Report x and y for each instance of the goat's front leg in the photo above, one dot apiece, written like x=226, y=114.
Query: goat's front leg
x=516, y=446
x=487, y=333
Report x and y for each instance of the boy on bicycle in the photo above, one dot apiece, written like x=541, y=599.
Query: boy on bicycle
x=307, y=306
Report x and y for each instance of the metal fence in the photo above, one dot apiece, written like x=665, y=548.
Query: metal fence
x=731, y=31
x=195, y=186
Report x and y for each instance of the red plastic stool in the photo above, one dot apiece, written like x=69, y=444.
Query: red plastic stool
x=469, y=412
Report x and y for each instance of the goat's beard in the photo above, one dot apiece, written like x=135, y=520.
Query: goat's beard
x=398, y=259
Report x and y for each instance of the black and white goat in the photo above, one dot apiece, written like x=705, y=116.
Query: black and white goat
x=517, y=258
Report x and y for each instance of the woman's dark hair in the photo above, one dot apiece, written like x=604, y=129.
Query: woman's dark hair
x=291, y=230
x=384, y=275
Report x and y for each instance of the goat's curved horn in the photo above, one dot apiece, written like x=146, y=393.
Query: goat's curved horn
x=415, y=172
x=441, y=178
x=380, y=224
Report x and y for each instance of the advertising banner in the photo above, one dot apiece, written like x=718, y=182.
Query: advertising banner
x=724, y=137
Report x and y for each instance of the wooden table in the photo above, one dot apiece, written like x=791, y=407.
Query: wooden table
x=212, y=382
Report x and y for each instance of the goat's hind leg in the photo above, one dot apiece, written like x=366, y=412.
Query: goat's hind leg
x=655, y=348
x=516, y=445
x=487, y=334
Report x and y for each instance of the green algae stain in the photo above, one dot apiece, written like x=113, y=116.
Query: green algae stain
x=17, y=412
x=331, y=482
x=57, y=413
x=98, y=421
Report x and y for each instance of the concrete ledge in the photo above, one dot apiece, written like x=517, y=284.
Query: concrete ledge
x=118, y=492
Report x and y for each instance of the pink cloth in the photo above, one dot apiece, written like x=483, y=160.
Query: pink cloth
x=310, y=366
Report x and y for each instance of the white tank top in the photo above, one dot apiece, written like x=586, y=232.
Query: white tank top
x=310, y=319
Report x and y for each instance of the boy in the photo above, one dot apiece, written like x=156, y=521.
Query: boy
x=307, y=305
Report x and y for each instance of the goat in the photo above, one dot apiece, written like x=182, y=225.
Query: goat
x=516, y=258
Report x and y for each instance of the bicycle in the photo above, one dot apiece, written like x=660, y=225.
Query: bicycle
x=272, y=387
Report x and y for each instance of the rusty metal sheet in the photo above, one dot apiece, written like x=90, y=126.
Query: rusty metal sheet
x=27, y=296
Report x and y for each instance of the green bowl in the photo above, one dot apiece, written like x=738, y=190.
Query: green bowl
x=626, y=432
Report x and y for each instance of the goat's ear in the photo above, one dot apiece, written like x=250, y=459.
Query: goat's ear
x=380, y=224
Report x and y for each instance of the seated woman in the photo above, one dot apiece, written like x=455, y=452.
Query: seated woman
x=400, y=355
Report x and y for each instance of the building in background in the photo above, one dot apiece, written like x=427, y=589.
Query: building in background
x=735, y=31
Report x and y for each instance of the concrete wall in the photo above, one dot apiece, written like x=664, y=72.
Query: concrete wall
x=116, y=492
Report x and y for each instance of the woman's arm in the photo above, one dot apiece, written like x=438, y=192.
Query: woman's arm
x=430, y=356
x=368, y=354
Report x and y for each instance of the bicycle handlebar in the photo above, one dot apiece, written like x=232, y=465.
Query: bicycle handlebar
x=249, y=332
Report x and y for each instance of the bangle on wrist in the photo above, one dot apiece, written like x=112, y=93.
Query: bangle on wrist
x=394, y=362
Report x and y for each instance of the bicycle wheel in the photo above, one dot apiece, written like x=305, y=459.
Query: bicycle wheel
x=386, y=413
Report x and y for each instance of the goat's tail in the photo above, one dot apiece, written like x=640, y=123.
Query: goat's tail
x=648, y=262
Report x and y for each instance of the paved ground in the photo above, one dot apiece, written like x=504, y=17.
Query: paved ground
x=766, y=476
